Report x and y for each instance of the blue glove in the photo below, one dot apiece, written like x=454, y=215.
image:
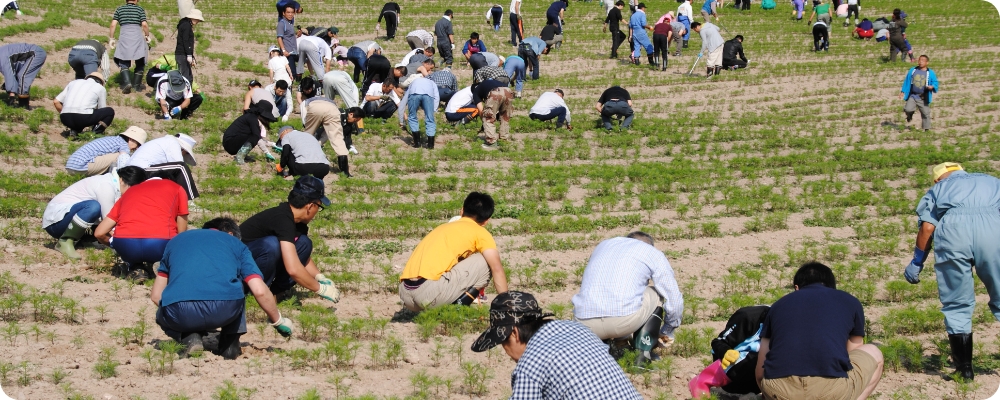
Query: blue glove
x=916, y=265
x=166, y=117
x=699, y=55
x=175, y=110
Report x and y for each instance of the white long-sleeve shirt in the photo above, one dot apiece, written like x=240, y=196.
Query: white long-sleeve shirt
x=685, y=9
x=102, y=188
x=548, y=101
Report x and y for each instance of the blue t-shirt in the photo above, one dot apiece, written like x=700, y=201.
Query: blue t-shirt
x=554, y=8
x=918, y=82
x=205, y=264
x=707, y=7
x=809, y=329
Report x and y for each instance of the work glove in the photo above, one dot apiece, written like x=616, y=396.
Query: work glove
x=166, y=117
x=453, y=46
x=269, y=157
x=283, y=326
x=665, y=341
x=328, y=291
x=730, y=357
x=284, y=118
x=149, y=39
x=175, y=110
x=111, y=44
x=912, y=271
x=322, y=279
x=699, y=55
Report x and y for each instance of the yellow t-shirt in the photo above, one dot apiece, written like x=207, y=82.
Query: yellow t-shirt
x=445, y=246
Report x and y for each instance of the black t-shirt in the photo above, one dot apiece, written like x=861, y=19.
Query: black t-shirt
x=613, y=19
x=277, y=221
x=391, y=6
x=614, y=93
x=809, y=329
x=482, y=91
x=549, y=32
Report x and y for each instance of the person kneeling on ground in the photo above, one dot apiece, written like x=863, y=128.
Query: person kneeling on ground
x=301, y=154
x=617, y=302
x=864, y=30
x=353, y=122
x=199, y=288
x=732, y=54
x=551, y=105
x=76, y=209
x=812, y=343
x=143, y=220
x=106, y=154
x=615, y=102
x=732, y=374
x=560, y=358
x=461, y=109
x=381, y=100
x=175, y=96
x=84, y=104
x=455, y=261
x=249, y=130
x=277, y=238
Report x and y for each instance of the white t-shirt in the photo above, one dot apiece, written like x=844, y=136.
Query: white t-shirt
x=685, y=9
x=82, y=96
x=375, y=89
x=513, y=6
x=460, y=98
x=277, y=65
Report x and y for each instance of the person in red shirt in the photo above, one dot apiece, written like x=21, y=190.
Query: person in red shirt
x=144, y=219
x=661, y=43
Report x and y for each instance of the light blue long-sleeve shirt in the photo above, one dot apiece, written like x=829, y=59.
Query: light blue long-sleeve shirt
x=418, y=86
x=638, y=20
x=965, y=211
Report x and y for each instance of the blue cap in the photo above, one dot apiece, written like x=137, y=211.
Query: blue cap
x=312, y=188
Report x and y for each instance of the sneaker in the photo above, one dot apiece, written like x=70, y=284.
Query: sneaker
x=490, y=146
x=517, y=95
x=192, y=343
x=352, y=150
x=140, y=274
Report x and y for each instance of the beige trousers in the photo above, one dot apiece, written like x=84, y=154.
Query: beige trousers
x=328, y=115
x=616, y=327
x=470, y=272
x=100, y=165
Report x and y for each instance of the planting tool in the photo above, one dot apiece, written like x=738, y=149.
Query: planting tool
x=693, y=66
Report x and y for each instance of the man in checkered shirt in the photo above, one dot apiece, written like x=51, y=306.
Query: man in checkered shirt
x=555, y=359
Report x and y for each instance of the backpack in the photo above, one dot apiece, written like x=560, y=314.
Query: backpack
x=880, y=24
x=767, y=4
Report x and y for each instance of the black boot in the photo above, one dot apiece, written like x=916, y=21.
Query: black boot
x=663, y=63
x=430, y=142
x=192, y=344
x=718, y=70
x=709, y=71
x=652, y=60
x=645, y=339
x=10, y=100
x=344, y=167
x=961, y=354
x=137, y=80
x=126, y=77
x=229, y=346
x=685, y=45
x=416, y=139
x=23, y=103
x=468, y=296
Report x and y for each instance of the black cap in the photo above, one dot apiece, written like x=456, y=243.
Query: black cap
x=506, y=310
x=254, y=82
x=641, y=5
x=312, y=188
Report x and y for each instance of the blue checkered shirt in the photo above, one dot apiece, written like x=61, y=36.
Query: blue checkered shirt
x=566, y=360
x=99, y=147
x=616, y=276
x=444, y=79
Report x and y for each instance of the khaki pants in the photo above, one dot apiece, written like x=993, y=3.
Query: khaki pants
x=497, y=107
x=415, y=42
x=616, y=327
x=100, y=165
x=470, y=272
x=328, y=115
x=715, y=57
x=818, y=387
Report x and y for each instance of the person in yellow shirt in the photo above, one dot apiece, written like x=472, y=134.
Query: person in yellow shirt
x=454, y=261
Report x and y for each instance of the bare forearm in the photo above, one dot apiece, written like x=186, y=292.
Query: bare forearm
x=925, y=235
x=264, y=299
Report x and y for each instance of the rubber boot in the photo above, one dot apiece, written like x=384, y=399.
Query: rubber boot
x=652, y=60
x=685, y=45
x=126, y=81
x=192, y=343
x=241, y=155
x=137, y=80
x=10, y=100
x=645, y=339
x=468, y=296
x=709, y=71
x=961, y=354
x=663, y=65
x=416, y=139
x=718, y=70
x=344, y=167
x=229, y=346
x=24, y=103
x=430, y=142
x=67, y=241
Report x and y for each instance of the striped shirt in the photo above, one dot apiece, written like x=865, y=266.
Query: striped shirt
x=129, y=14
x=444, y=79
x=616, y=277
x=99, y=147
x=82, y=96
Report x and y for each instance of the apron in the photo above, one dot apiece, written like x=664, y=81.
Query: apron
x=131, y=43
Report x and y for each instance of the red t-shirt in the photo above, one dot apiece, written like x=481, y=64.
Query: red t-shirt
x=149, y=210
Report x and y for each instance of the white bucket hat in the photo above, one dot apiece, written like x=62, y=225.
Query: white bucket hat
x=187, y=144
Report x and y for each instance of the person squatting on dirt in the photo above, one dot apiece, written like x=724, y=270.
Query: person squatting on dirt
x=555, y=359
x=279, y=242
x=301, y=154
x=132, y=44
x=734, y=353
x=84, y=104
x=390, y=13
x=256, y=94
x=248, y=131
x=381, y=100
x=142, y=222
x=72, y=212
x=552, y=35
x=551, y=105
x=455, y=261
x=802, y=347
x=19, y=65
x=617, y=302
x=637, y=27
x=87, y=56
x=615, y=102
x=732, y=54
x=473, y=46
x=184, y=52
x=199, y=287
x=460, y=108
x=105, y=154
x=422, y=94
x=959, y=216
x=613, y=21
x=712, y=43
x=168, y=157
x=918, y=87
x=176, y=97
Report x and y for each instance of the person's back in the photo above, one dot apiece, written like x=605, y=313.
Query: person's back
x=603, y=297
x=445, y=246
x=732, y=50
x=305, y=148
x=149, y=210
x=205, y=264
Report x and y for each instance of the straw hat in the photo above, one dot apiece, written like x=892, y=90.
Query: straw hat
x=135, y=133
x=195, y=14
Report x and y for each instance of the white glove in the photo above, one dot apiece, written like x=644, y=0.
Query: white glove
x=284, y=118
x=322, y=279
x=111, y=43
x=329, y=292
x=149, y=39
x=453, y=46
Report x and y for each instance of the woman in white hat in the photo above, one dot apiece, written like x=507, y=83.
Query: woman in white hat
x=168, y=157
x=107, y=153
x=184, y=52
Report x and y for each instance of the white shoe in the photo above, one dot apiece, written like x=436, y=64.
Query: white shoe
x=352, y=150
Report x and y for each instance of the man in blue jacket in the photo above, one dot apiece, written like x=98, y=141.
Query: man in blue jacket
x=917, y=88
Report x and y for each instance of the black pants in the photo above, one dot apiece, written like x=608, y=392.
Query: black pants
x=384, y=111
x=896, y=45
x=185, y=113
x=185, y=68
x=496, y=12
x=516, y=31
x=733, y=62
x=177, y=172
x=140, y=65
x=820, y=32
x=378, y=67
x=444, y=48
x=391, y=22
x=525, y=51
x=318, y=170
x=852, y=10
x=617, y=37
x=661, y=46
x=79, y=122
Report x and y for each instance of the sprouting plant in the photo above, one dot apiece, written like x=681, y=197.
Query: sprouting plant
x=106, y=365
x=475, y=377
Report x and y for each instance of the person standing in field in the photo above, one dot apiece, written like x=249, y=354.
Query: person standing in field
x=711, y=42
x=918, y=86
x=516, y=26
x=445, y=38
x=184, y=52
x=708, y=10
x=287, y=43
x=613, y=21
x=637, y=27
x=897, y=41
x=960, y=216
x=133, y=44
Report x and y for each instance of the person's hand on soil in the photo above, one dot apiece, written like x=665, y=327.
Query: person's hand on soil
x=283, y=326
x=329, y=292
x=175, y=110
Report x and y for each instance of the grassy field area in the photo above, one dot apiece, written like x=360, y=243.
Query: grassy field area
x=804, y=156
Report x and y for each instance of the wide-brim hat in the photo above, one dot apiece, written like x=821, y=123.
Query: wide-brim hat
x=97, y=75
x=187, y=144
x=177, y=81
x=135, y=133
x=195, y=14
x=507, y=310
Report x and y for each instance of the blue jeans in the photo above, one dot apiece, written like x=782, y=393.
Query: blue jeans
x=139, y=250
x=617, y=108
x=200, y=316
x=88, y=211
x=360, y=59
x=417, y=102
x=293, y=62
x=83, y=62
x=279, y=101
x=445, y=94
x=515, y=70
x=558, y=112
x=266, y=253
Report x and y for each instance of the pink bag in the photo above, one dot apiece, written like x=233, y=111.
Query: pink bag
x=712, y=376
